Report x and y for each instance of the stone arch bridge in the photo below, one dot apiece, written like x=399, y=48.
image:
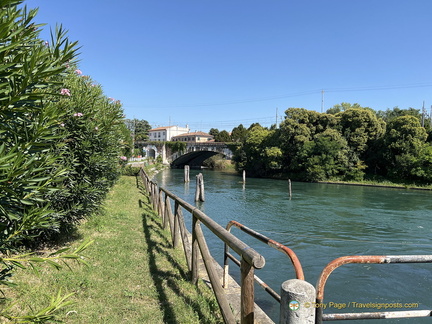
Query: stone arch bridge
x=194, y=156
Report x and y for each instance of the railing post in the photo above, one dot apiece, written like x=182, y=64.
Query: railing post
x=297, y=302
x=195, y=251
x=156, y=198
x=247, y=293
x=154, y=190
x=161, y=203
x=176, y=230
x=168, y=214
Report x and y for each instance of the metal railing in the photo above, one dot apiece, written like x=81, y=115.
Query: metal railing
x=250, y=259
x=272, y=243
x=378, y=259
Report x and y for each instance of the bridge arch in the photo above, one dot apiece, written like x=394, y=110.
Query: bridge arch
x=193, y=159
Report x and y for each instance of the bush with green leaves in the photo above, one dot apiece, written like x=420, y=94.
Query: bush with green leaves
x=32, y=139
x=62, y=142
x=96, y=141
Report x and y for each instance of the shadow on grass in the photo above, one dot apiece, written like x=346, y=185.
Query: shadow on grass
x=163, y=279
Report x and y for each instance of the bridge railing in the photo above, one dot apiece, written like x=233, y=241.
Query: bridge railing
x=250, y=259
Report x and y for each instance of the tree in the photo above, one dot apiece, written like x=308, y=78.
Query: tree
x=422, y=167
x=139, y=128
x=326, y=157
x=390, y=114
x=238, y=134
x=404, y=139
x=223, y=136
x=297, y=129
x=342, y=107
x=214, y=132
x=360, y=127
x=254, y=148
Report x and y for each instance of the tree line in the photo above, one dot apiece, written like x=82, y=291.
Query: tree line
x=348, y=142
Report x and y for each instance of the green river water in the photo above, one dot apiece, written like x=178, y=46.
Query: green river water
x=321, y=223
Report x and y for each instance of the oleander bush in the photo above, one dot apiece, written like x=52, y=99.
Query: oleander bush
x=62, y=141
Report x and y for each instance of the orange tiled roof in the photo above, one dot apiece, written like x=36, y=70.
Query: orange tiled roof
x=194, y=133
x=160, y=128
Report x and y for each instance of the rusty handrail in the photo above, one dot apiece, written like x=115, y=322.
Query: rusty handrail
x=272, y=243
x=293, y=257
x=359, y=259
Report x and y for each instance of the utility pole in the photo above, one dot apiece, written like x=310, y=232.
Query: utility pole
x=430, y=117
x=423, y=114
x=322, y=100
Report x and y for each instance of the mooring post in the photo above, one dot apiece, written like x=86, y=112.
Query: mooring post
x=289, y=188
x=186, y=173
x=202, y=196
x=199, y=191
x=297, y=304
x=244, y=176
x=197, y=188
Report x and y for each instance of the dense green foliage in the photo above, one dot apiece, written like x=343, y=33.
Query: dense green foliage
x=348, y=142
x=62, y=142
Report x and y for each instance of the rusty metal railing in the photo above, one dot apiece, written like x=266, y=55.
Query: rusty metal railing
x=377, y=259
x=276, y=245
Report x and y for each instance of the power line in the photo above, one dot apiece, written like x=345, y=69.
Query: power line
x=289, y=95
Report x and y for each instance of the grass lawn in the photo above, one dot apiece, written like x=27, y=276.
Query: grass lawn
x=134, y=275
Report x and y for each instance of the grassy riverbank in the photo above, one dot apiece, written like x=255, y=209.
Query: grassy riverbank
x=381, y=183
x=134, y=275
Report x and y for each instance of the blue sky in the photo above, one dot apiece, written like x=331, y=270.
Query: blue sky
x=221, y=63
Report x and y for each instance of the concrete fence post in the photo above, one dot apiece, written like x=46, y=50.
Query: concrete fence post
x=297, y=304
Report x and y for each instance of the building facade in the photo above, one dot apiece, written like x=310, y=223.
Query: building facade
x=162, y=134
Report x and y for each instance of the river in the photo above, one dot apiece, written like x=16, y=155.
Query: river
x=320, y=223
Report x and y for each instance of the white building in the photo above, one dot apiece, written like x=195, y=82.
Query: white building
x=166, y=133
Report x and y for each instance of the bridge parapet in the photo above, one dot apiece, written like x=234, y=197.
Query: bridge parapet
x=218, y=147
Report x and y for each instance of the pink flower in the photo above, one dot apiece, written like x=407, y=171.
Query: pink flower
x=46, y=44
x=78, y=115
x=96, y=128
x=65, y=92
x=62, y=125
x=124, y=158
x=111, y=99
x=79, y=72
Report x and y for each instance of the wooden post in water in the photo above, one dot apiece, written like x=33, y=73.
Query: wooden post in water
x=199, y=192
x=244, y=176
x=186, y=173
x=289, y=188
